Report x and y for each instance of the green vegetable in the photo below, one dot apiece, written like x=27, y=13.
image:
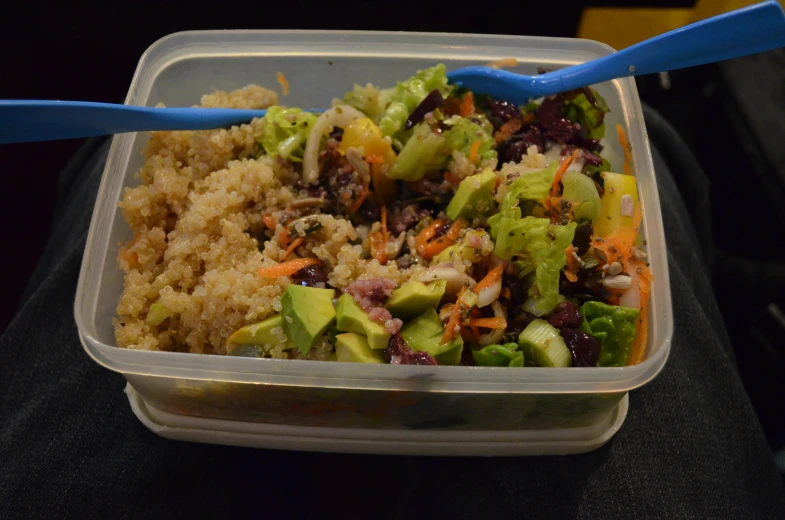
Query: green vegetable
x=581, y=110
x=542, y=342
x=369, y=100
x=538, y=246
x=614, y=327
x=579, y=189
x=461, y=137
x=157, y=314
x=402, y=99
x=424, y=152
x=531, y=187
x=506, y=355
x=285, y=132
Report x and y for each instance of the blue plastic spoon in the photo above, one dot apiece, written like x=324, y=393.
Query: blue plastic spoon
x=754, y=29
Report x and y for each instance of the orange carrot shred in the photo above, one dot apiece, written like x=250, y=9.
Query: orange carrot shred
x=283, y=82
x=625, y=146
x=507, y=129
x=489, y=323
x=455, y=319
x=428, y=248
x=360, y=198
x=489, y=279
x=287, y=268
x=385, y=235
x=505, y=293
x=473, y=153
x=294, y=245
x=374, y=159
x=467, y=104
x=451, y=178
x=560, y=172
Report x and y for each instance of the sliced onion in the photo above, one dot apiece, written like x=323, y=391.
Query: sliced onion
x=496, y=335
x=455, y=279
x=490, y=294
x=338, y=116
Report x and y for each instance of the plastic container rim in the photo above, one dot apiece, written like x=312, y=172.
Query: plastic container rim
x=354, y=376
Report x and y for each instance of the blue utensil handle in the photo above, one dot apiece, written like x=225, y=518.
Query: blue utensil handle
x=714, y=39
x=24, y=121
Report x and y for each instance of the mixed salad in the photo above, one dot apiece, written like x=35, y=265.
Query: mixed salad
x=523, y=246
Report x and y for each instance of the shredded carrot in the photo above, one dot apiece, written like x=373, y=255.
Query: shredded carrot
x=287, y=268
x=507, y=129
x=285, y=239
x=489, y=279
x=642, y=325
x=374, y=159
x=473, y=153
x=573, y=264
x=451, y=178
x=428, y=248
x=378, y=247
x=270, y=221
x=283, y=82
x=454, y=322
x=625, y=146
x=504, y=62
x=529, y=118
x=505, y=293
x=467, y=105
x=561, y=171
x=360, y=198
x=294, y=245
x=618, y=245
x=489, y=323
x=385, y=234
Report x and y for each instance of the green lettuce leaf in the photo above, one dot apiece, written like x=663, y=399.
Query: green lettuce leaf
x=369, y=100
x=424, y=152
x=536, y=246
x=285, y=132
x=532, y=187
x=461, y=136
x=402, y=99
x=506, y=355
x=614, y=327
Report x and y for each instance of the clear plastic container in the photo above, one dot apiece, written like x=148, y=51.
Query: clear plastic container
x=321, y=65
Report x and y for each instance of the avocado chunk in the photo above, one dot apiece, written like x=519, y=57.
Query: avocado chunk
x=425, y=334
x=353, y=348
x=307, y=313
x=474, y=196
x=351, y=318
x=414, y=298
x=261, y=334
x=462, y=250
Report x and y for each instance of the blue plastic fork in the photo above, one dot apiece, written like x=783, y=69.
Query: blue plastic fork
x=754, y=29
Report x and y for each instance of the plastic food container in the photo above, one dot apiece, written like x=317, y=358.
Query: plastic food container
x=321, y=65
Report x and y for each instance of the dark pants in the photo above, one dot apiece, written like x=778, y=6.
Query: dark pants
x=691, y=446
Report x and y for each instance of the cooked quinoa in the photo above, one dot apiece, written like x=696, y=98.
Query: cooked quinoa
x=215, y=212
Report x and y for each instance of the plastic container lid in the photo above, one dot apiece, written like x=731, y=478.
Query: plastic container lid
x=564, y=441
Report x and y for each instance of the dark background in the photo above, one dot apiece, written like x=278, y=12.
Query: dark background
x=731, y=115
